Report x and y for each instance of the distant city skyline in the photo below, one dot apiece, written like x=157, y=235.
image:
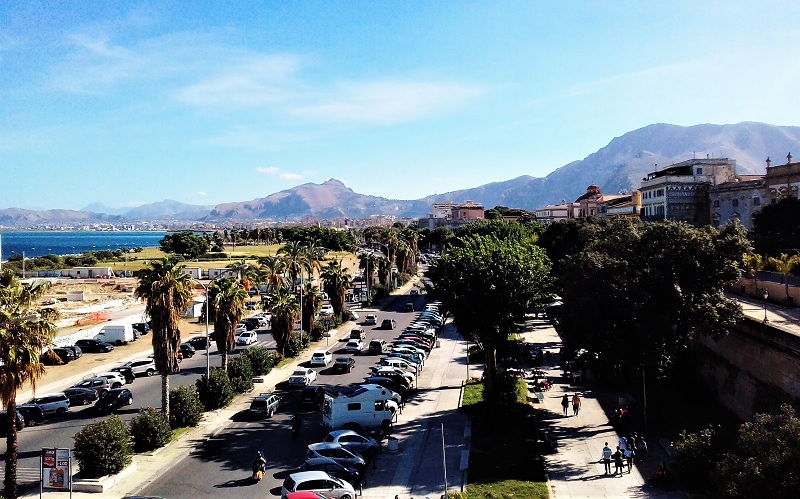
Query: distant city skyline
x=129, y=103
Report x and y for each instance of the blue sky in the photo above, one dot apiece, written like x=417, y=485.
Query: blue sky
x=206, y=102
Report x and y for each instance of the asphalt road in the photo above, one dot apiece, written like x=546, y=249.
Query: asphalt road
x=221, y=466
x=59, y=431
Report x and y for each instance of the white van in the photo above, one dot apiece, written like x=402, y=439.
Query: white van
x=119, y=334
x=366, y=405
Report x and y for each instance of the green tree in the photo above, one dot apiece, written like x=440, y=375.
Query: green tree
x=753, y=262
x=785, y=264
x=273, y=271
x=25, y=330
x=166, y=287
x=285, y=311
x=766, y=459
x=776, y=228
x=187, y=244
x=294, y=254
x=634, y=300
x=487, y=284
x=228, y=299
x=337, y=281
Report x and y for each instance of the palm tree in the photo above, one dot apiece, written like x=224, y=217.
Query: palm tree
x=166, y=288
x=25, y=330
x=337, y=282
x=285, y=311
x=784, y=264
x=366, y=261
x=294, y=254
x=227, y=297
x=312, y=302
x=273, y=270
x=753, y=263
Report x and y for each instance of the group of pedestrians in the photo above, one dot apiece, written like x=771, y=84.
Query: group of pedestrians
x=576, y=404
x=625, y=454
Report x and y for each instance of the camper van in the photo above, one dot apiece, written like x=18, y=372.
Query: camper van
x=118, y=334
x=368, y=406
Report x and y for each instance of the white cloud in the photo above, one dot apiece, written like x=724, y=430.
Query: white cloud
x=271, y=170
x=291, y=176
x=258, y=82
x=201, y=193
x=389, y=102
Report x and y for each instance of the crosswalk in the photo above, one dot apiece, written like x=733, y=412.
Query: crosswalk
x=24, y=475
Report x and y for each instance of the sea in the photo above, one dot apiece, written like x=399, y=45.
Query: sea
x=41, y=243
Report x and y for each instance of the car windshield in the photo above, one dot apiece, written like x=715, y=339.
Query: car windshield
x=299, y=373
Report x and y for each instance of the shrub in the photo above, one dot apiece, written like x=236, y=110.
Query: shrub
x=261, y=360
x=403, y=278
x=150, y=430
x=379, y=292
x=215, y=393
x=103, y=447
x=295, y=345
x=697, y=454
x=240, y=373
x=317, y=332
x=185, y=408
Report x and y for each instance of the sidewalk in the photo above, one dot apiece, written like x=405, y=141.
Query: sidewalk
x=575, y=469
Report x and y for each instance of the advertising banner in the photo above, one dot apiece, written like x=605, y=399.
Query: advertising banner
x=56, y=468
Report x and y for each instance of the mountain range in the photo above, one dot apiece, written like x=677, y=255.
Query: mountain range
x=617, y=167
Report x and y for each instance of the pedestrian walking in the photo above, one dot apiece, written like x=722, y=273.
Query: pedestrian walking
x=565, y=403
x=623, y=443
x=617, y=461
x=607, y=458
x=629, y=455
x=576, y=404
x=642, y=449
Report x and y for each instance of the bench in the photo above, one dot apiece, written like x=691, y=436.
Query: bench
x=550, y=440
x=537, y=397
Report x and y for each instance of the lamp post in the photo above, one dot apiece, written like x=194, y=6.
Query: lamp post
x=765, y=294
x=208, y=309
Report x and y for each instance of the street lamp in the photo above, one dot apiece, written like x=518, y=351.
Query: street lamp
x=208, y=309
x=765, y=294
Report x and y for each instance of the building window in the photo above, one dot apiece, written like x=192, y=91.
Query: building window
x=756, y=201
x=735, y=203
x=699, y=171
x=716, y=203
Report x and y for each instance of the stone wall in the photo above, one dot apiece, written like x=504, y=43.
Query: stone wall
x=756, y=368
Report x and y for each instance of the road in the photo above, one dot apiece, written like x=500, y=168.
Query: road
x=59, y=431
x=221, y=466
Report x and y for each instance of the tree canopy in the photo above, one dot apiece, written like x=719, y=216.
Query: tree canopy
x=639, y=290
x=776, y=228
x=186, y=243
x=488, y=284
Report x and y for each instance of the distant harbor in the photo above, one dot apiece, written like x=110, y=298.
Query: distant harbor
x=41, y=243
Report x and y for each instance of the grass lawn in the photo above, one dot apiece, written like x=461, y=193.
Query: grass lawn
x=505, y=460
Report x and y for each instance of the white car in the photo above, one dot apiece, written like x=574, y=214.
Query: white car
x=371, y=319
x=247, y=338
x=115, y=380
x=240, y=328
x=326, y=310
x=354, y=345
x=321, y=358
x=303, y=377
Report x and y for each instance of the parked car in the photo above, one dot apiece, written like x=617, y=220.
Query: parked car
x=251, y=323
x=76, y=350
x=140, y=367
x=187, y=350
x=265, y=405
x=408, y=307
x=311, y=397
x=353, y=441
x=33, y=413
x=338, y=453
x=334, y=469
x=115, y=379
x=247, y=338
x=115, y=399
x=326, y=309
x=20, y=422
x=414, y=292
x=80, y=396
x=371, y=319
x=94, y=346
x=52, y=403
x=343, y=364
x=354, y=346
x=142, y=327
x=397, y=387
x=321, y=358
x=393, y=373
x=317, y=481
x=303, y=377
x=240, y=328
x=358, y=334
x=388, y=324
x=57, y=356
x=199, y=343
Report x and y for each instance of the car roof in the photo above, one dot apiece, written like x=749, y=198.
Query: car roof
x=339, y=433
x=303, y=476
x=325, y=445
